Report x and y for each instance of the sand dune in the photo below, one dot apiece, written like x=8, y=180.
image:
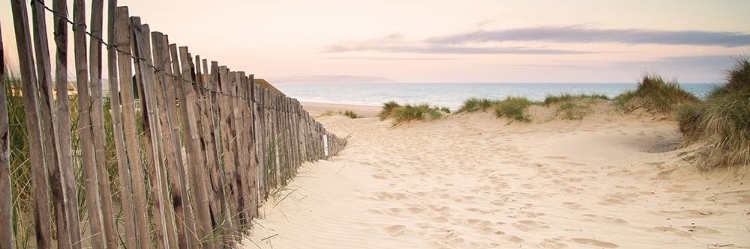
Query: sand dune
x=473, y=181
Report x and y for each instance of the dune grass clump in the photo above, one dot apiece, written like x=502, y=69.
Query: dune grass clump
x=416, y=112
x=476, y=104
x=573, y=107
x=444, y=109
x=655, y=95
x=407, y=113
x=388, y=109
x=514, y=108
x=723, y=119
x=564, y=97
x=350, y=114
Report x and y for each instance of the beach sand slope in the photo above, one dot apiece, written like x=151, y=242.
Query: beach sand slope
x=475, y=181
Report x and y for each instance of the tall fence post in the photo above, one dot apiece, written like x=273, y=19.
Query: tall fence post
x=97, y=122
x=39, y=183
x=123, y=32
x=126, y=194
x=48, y=117
x=6, y=204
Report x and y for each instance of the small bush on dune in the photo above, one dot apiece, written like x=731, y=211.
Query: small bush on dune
x=563, y=97
x=407, y=113
x=573, y=107
x=723, y=118
x=445, y=109
x=513, y=108
x=387, y=111
x=655, y=95
x=350, y=114
x=415, y=112
x=476, y=104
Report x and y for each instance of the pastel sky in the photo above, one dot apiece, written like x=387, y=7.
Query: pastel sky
x=453, y=41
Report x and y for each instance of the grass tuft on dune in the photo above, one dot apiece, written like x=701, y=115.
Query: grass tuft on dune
x=408, y=113
x=388, y=109
x=514, y=108
x=723, y=119
x=655, y=95
x=476, y=104
x=573, y=107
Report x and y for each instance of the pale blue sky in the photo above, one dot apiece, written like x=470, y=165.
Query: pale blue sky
x=455, y=41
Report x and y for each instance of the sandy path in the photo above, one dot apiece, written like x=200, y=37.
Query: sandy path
x=473, y=182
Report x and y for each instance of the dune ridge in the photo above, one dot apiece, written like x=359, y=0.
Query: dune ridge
x=474, y=181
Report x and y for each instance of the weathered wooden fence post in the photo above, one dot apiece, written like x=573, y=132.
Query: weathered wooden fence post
x=39, y=183
x=97, y=122
x=6, y=204
x=126, y=194
x=123, y=32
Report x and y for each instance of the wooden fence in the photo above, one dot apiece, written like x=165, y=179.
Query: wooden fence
x=196, y=154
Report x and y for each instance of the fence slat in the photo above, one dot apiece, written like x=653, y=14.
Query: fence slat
x=187, y=97
x=97, y=123
x=126, y=194
x=174, y=82
x=151, y=131
x=6, y=203
x=39, y=184
x=48, y=116
x=172, y=149
x=123, y=40
x=70, y=195
x=219, y=185
x=93, y=198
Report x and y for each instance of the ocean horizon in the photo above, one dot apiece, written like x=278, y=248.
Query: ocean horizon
x=452, y=95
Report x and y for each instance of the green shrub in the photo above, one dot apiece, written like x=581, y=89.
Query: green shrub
x=476, y=104
x=654, y=95
x=723, y=119
x=387, y=111
x=513, y=108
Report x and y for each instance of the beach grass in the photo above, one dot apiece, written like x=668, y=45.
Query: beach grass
x=565, y=97
x=388, y=108
x=655, y=95
x=723, y=119
x=416, y=112
x=350, y=114
x=406, y=113
x=514, y=108
x=476, y=104
x=573, y=107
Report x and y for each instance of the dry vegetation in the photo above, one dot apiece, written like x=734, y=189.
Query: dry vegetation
x=723, y=120
x=654, y=95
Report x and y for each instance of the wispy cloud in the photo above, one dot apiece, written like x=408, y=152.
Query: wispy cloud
x=396, y=43
x=442, y=49
x=581, y=34
x=376, y=58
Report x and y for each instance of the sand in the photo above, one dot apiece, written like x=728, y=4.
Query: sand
x=474, y=181
x=319, y=109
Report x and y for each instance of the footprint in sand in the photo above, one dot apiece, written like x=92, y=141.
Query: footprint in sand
x=593, y=242
x=553, y=243
x=572, y=205
x=513, y=239
x=395, y=230
x=529, y=225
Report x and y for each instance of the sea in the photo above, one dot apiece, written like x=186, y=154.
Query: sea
x=452, y=95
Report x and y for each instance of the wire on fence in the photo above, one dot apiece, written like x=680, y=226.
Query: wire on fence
x=99, y=39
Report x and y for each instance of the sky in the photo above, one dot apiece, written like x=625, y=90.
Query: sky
x=473, y=41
